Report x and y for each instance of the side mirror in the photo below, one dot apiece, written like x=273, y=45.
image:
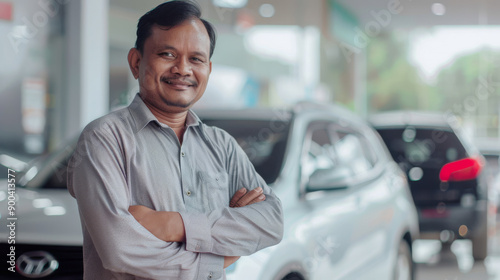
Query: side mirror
x=328, y=179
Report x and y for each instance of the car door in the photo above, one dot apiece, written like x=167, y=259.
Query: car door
x=331, y=203
x=370, y=240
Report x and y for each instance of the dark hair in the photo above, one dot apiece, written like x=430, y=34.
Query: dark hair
x=170, y=14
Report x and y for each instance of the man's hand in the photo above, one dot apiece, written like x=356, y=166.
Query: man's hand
x=229, y=261
x=243, y=197
x=167, y=226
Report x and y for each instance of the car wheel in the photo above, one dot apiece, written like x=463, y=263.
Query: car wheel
x=403, y=269
x=293, y=276
x=480, y=243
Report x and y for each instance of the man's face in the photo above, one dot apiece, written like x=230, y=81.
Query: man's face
x=174, y=68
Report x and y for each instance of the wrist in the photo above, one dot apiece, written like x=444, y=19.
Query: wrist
x=175, y=231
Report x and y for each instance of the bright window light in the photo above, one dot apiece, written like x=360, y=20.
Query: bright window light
x=232, y=4
x=54, y=211
x=266, y=10
x=438, y=9
x=434, y=50
x=42, y=202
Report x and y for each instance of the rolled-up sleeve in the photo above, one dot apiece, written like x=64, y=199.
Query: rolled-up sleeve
x=97, y=179
x=236, y=231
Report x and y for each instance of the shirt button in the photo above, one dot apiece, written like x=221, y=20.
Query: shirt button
x=183, y=154
x=188, y=193
x=210, y=275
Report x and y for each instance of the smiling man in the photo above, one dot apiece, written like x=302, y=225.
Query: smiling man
x=162, y=195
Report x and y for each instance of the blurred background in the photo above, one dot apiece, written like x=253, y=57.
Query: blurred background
x=63, y=62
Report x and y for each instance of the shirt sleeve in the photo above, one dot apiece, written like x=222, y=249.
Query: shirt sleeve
x=237, y=231
x=97, y=179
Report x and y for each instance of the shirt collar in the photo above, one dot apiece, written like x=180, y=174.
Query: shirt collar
x=143, y=116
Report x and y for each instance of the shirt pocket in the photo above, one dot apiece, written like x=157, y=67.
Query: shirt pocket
x=214, y=189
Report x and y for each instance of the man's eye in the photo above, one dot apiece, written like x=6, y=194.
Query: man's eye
x=196, y=59
x=167, y=54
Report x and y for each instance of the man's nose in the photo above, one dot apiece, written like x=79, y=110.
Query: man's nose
x=182, y=67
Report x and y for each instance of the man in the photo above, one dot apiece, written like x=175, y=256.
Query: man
x=160, y=194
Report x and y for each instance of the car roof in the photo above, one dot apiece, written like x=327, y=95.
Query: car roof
x=412, y=118
x=244, y=113
x=283, y=113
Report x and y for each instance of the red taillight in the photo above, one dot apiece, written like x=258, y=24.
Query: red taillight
x=461, y=170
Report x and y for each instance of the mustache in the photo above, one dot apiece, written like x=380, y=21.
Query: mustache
x=175, y=79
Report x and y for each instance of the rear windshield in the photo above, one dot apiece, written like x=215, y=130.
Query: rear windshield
x=423, y=147
x=263, y=141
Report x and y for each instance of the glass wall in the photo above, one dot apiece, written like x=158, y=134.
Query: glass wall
x=32, y=75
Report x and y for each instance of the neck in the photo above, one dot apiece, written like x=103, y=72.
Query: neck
x=175, y=120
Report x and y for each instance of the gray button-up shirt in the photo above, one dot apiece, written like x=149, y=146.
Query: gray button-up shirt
x=129, y=158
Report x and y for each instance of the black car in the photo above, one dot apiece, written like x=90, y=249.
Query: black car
x=445, y=172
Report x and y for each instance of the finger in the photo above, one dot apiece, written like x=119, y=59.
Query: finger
x=260, y=198
x=138, y=210
x=237, y=196
x=251, y=195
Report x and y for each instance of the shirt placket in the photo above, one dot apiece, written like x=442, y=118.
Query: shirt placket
x=188, y=192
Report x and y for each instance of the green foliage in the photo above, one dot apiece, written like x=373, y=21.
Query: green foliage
x=468, y=87
x=472, y=81
x=471, y=88
x=392, y=82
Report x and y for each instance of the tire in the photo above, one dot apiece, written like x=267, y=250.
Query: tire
x=293, y=276
x=403, y=268
x=480, y=242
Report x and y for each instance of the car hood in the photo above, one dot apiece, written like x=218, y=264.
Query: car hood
x=43, y=216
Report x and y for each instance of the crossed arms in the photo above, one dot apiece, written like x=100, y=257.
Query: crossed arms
x=168, y=226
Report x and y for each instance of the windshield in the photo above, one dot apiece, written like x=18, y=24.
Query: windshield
x=264, y=146
x=423, y=147
x=48, y=171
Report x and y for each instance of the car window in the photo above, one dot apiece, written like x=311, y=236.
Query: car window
x=423, y=147
x=320, y=155
x=354, y=152
x=343, y=153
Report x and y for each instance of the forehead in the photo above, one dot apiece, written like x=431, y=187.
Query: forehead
x=190, y=33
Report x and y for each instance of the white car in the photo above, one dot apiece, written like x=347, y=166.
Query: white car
x=347, y=206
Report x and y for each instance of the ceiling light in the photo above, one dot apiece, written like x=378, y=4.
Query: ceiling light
x=266, y=10
x=438, y=9
x=54, y=211
x=42, y=202
x=232, y=4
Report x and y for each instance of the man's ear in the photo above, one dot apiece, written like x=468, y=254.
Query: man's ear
x=134, y=58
